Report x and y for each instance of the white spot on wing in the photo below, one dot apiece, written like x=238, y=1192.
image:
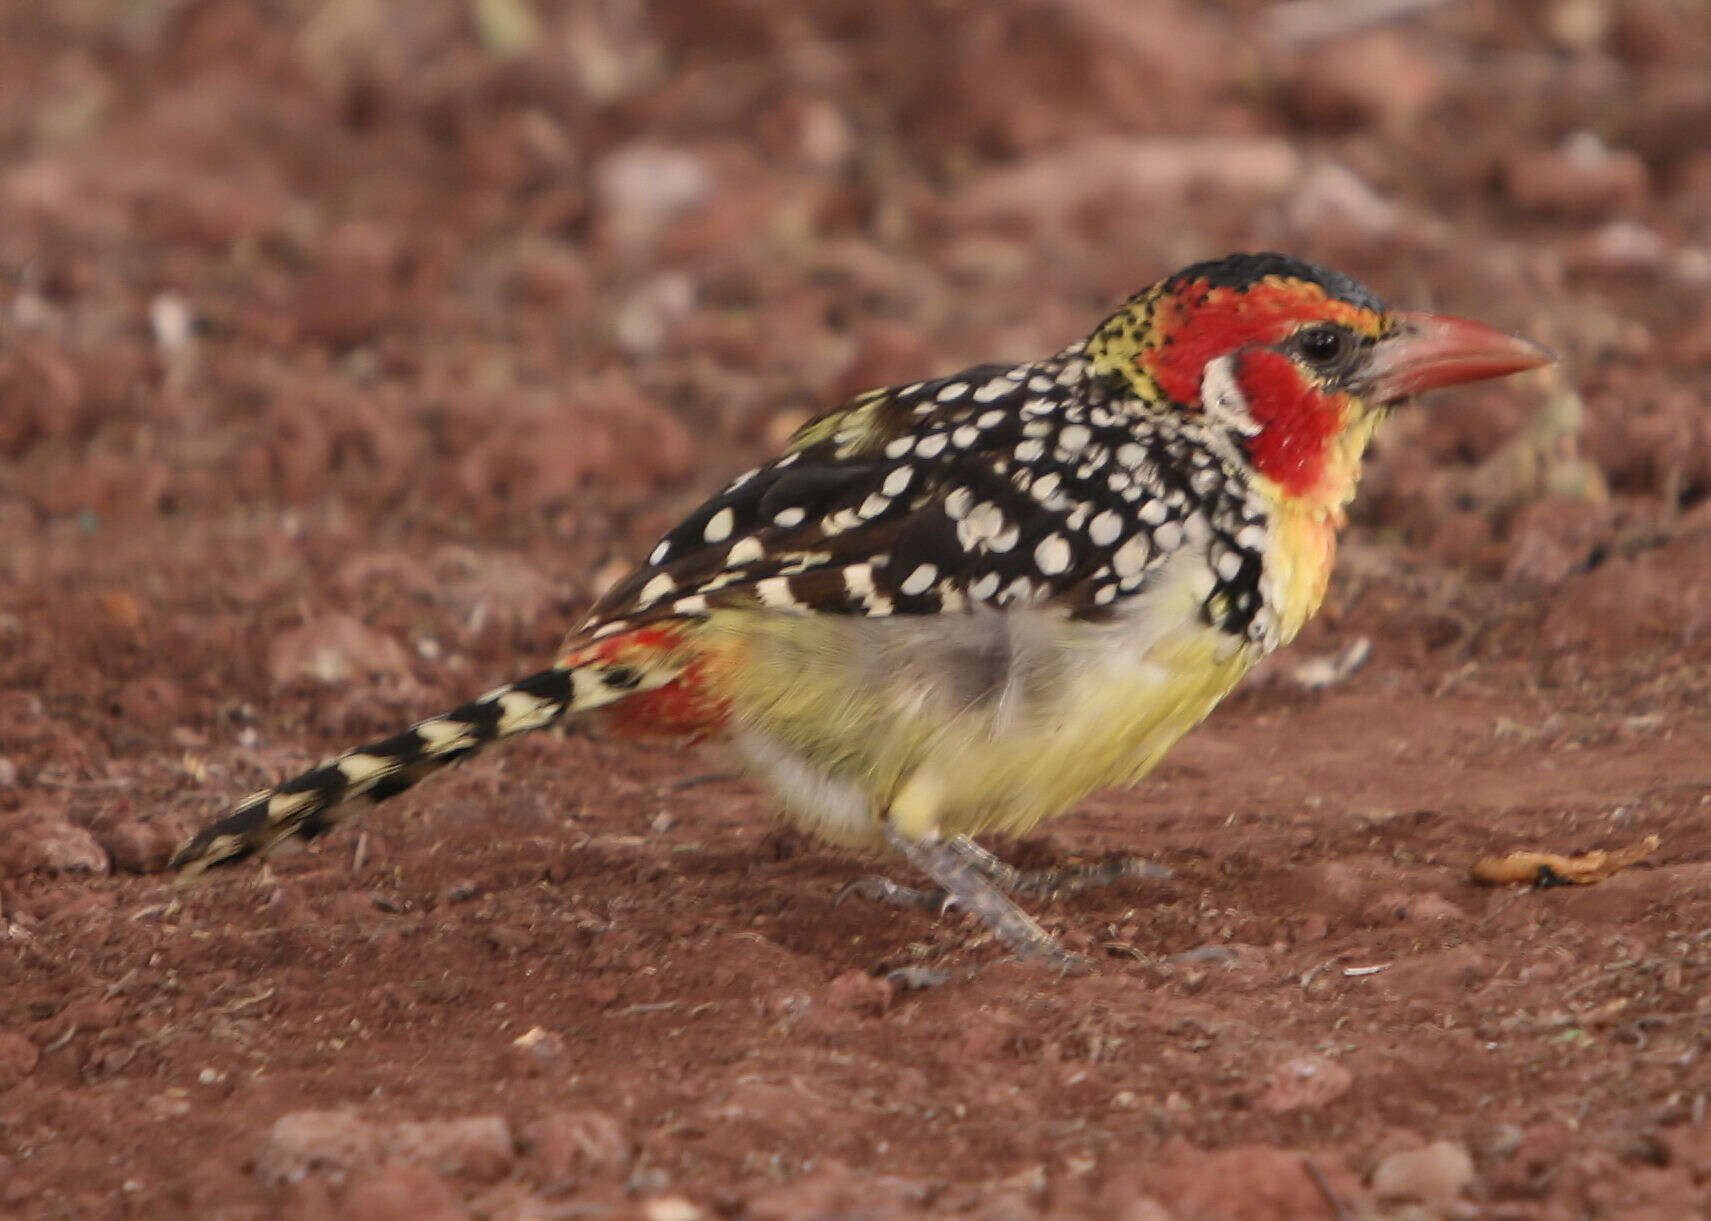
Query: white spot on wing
x=775, y=591
x=1131, y=557
x=719, y=526
x=1074, y=438
x=745, y=551
x=1053, y=555
x=1106, y=528
x=919, y=581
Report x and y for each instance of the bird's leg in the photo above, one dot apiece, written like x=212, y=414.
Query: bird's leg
x=1049, y=884
x=966, y=885
x=1054, y=883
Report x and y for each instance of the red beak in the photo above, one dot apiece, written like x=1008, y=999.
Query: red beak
x=1432, y=350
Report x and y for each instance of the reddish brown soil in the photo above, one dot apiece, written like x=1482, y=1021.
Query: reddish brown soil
x=346, y=350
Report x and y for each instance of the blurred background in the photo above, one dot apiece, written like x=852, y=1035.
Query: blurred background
x=349, y=348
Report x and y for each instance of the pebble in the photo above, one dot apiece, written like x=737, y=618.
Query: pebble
x=536, y=1050
x=1254, y=1182
x=328, y=1144
x=138, y=847
x=18, y=1059
x=479, y=1147
x=331, y=650
x=47, y=844
x=858, y=992
x=1437, y=1174
x=1582, y=178
x=566, y=1146
x=1305, y=1083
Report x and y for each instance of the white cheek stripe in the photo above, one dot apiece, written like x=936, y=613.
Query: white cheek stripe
x=1225, y=404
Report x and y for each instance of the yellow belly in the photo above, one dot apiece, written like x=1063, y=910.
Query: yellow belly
x=966, y=724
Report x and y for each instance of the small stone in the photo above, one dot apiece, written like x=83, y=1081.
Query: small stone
x=401, y=1192
x=1622, y=247
x=479, y=1147
x=138, y=847
x=671, y=1208
x=1582, y=178
x=121, y=610
x=1382, y=78
x=18, y=1058
x=1258, y=1181
x=643, y=187
x=46, y=844
x=1305, y=1083
x=333, y=649
x=1409, y=907
x=567, y=1146
x=859, y=992
x=1437, y=1174
x=325, y=1144
x=536, y=1050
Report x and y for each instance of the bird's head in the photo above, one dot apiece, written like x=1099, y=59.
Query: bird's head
x=1298, y=362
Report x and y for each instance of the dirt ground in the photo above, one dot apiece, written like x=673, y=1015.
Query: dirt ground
x=349, y=348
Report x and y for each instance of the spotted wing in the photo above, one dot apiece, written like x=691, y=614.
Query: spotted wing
x=998, y=486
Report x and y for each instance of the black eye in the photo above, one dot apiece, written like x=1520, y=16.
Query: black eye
x=1325, y=346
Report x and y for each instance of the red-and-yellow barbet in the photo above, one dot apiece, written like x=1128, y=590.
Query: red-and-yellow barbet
x=958, y=605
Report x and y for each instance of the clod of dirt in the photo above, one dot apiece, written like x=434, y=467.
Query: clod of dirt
x=46, y=844
x=138, y=847
x=566, y=1147
x=401, y=1192
x=831, y=1189
x=333, y=649
x=479, y=1147
x=859, y=992
x=1553, y=869
x=1436, y=1175
x=1249, y=1183
x=18, y=1057
x=1305, y=1083
x=327, y=1144
x=1583, y=178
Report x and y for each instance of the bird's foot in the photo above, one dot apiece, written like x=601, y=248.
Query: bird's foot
x=1057, y=882
x=963, y=882
x=895, y=894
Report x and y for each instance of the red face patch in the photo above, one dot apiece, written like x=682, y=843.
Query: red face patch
x=1297, y=420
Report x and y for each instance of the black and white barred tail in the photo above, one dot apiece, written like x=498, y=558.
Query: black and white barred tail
x=319, y=799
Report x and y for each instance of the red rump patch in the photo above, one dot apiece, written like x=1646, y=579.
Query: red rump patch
x=684, y=708
x=1298, y=422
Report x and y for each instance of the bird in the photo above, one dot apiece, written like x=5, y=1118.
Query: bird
x=957, y=606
